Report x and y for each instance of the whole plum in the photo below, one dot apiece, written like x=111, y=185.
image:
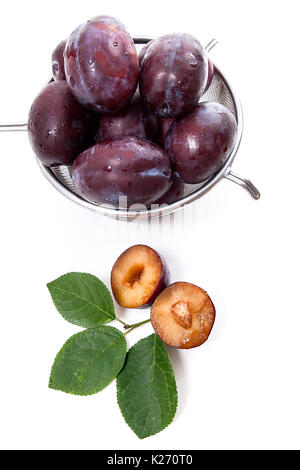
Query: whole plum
x=175, y=193
x=122, y=167
x=101, y=64
x=133, y=120
x=200, y=143
x=163, y=125
x=138, y=276
x=211, y=70
x=58, y=68
x=173, y=75
x=59, y=127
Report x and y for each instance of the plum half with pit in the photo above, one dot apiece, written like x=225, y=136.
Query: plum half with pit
x=173, y=75
x=133, y=120
x=101, y=64
x=183, y=315
x=58, y=66
x=59, y=128
x=138, y=276
x=125, y=167
x=200, y=143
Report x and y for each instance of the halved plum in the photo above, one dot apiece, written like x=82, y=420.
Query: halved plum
x=133, y=120
x=138, y=276
x=59, y=128
x=199, y=143
x=183, y=315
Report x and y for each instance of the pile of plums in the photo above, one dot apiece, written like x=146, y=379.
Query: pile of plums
x=130, y=127
x=182, y=314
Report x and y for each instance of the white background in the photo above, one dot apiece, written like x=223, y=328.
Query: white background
x=241, y=389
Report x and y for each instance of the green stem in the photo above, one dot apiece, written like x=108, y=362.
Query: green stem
x=128, y=331
x=123, y=323
x=135, y=325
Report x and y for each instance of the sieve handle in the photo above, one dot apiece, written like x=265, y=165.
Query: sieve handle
x=211, y=44
x=245, y=183
x=13, y=127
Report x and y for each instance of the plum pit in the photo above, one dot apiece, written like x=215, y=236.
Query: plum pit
x=134, y=275
x=181, y=313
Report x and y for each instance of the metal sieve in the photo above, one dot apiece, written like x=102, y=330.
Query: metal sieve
x=220, y=91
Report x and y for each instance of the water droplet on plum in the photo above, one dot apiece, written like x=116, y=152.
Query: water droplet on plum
x=193, y=62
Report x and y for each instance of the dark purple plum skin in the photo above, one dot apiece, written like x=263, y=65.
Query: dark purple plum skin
x=163, y=125
x=101, y=64
x=173, y=75
x=58, y=67
x=133, y=120
x=200, y=143
x=125, y=166
x=174, y=194
x=144, y=50
x=59, y=127
x=211, y=70
x=164, y=281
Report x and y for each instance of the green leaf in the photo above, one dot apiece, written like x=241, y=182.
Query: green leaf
x=146, y=388
x=82, y=299
x=89, y=361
